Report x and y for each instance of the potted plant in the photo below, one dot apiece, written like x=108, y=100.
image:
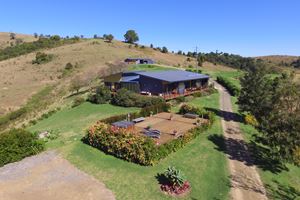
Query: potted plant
x=174, y=182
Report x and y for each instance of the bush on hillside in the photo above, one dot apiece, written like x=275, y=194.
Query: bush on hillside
x=101, y=95
x=28, y=47
x=17, y=144
x=41, y=58
x=126, y=98
x=233, y=89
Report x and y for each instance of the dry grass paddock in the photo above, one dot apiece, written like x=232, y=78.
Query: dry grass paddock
x=20, y=79
x=162, y=122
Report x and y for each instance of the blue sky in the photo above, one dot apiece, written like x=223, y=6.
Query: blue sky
x=248, y=28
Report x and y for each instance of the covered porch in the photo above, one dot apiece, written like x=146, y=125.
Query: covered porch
x=186, y=88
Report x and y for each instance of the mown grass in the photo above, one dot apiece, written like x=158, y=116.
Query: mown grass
x=70, y=123
x=233, y=75
x=284, y=184
x=204, y=166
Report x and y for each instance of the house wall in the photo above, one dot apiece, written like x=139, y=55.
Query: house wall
x=152, y=85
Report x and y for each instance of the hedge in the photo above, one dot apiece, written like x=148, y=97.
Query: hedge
x=17, y=144
x=232, y=88
x=126, y=98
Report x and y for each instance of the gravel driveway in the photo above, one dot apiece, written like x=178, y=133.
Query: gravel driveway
x=48, y=176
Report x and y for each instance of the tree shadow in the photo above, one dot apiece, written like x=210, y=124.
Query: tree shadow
x=227, y=116
x=280, y=191
x=249, y=153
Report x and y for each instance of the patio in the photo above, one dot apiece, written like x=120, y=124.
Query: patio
x=167, y=126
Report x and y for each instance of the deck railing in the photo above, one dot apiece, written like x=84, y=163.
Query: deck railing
x=187, y=92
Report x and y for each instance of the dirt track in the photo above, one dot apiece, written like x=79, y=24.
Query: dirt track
x=47, y=176
x=245, y=180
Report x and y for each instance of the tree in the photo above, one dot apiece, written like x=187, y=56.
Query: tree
x=101, y=95
x=179, y=52
x=35, y=35
x=108, y=37
x=131, y=36
x=164, y=50
x=12, y=36
x=200, y=60
x=151, y=46
x=95, y=36
x=281, y=124
x=55, y=37
x=255, y=97
x=77, y=83
x=275, y=103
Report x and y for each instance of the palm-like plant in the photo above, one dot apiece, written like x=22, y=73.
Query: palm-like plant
x=174, y=176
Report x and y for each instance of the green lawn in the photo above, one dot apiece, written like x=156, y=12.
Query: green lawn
x=148, y=67
x=233, y=76
x=204, y=166
x=280, y=185
x=71, y=123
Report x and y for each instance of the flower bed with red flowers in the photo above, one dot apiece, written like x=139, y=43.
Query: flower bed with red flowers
x=175, y=189
x=173, y=182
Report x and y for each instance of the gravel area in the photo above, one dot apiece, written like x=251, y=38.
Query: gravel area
x=48, y=176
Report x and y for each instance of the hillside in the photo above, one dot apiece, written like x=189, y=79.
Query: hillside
x=5, y=40
x=20, y=79
x=279, y=59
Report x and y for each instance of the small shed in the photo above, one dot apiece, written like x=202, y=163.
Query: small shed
x=139, y=61
x=123, y=124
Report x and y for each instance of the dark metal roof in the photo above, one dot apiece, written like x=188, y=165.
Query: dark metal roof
x=123, y=124
x=129, y=78
x=174, y=75
x=148, y=59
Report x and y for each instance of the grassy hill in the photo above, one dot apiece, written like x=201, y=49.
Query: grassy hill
x=5, y=40
x=20, y=79
x=278, y=59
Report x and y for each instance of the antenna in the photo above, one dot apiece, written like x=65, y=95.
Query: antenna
x=197, y=59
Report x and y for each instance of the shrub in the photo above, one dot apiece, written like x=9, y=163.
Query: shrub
x=68, y=66
x=191, y=69
x=101, y=95
x=41, y=58
x=17, y=144
x=233, y=89
x=77, y=101
x=126, y=98
x=250, y=119
x=185, y=108
x=154, y=109
x=174, y=176
x=121, y=143
x=175, y=181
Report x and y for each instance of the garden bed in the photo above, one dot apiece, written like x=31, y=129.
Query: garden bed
x=131, y=145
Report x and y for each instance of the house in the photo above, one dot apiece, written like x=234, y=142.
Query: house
x=167, y=84
x=139, y=61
